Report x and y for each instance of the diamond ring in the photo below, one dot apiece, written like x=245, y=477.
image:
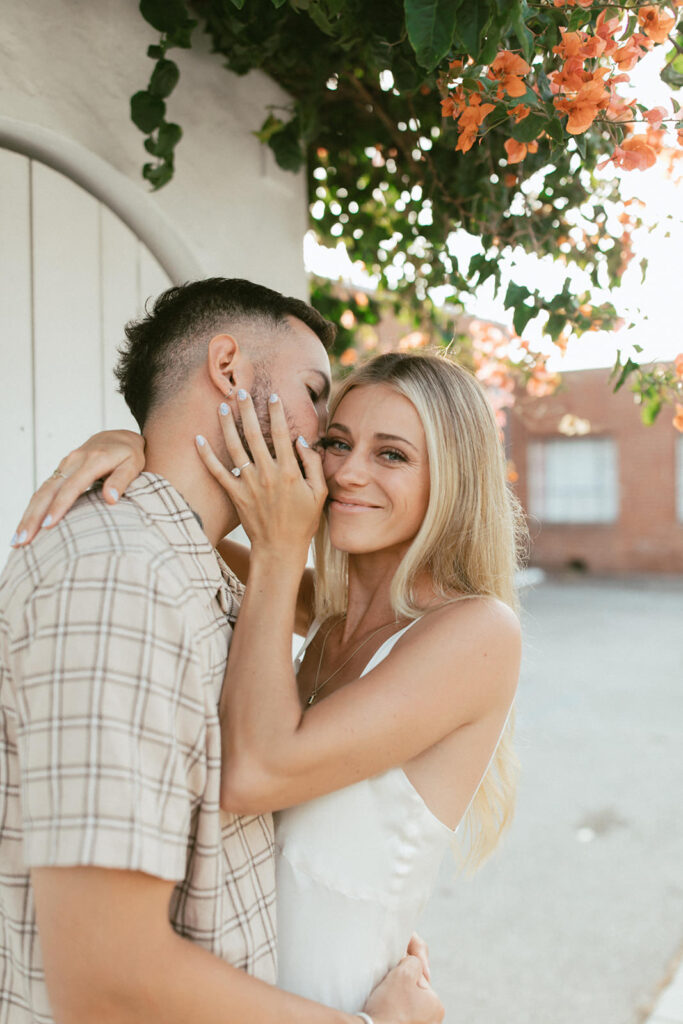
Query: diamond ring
x=237, y=470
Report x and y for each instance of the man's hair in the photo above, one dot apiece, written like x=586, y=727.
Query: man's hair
x=165, y=346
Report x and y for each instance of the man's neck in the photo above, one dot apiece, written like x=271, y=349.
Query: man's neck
x=177, y=461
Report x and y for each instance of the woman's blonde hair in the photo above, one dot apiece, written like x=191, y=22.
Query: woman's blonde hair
x=469, y=541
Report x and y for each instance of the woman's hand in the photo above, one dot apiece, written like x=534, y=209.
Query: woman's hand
x=118, y=456
x=279, y=505
x=418, y=947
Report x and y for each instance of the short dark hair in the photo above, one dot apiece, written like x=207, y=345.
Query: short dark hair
x=166, y=344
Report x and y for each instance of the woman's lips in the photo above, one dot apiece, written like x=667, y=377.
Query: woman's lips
x=348, y=506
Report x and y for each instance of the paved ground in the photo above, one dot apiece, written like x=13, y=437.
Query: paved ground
x=578, y=918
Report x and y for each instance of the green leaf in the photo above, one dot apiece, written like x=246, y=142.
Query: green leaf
x=484, y=268
x=164, y=78
x=523, y=33
x=672, y=74
x=516, y=294
x=528, y=129
x=554, y=129
x=286, y=145
x=626, y=370
x=155, y=52
x=521, y=317
x=239, y=4
x=168, y=138
x=650, y=409
x=158, y=175
x=473, y=19
x=270, y=126
x=164, y=15
x=430, y=25
x=147, y=111
x=278, y=3
x=556, y=323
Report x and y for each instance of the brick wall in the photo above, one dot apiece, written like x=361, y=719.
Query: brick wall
x=646, y=536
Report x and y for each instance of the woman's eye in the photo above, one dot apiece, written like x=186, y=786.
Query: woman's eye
x=333, y=444
x=314, y=395
x=393, y=455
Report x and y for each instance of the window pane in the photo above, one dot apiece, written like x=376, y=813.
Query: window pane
x=573, y=480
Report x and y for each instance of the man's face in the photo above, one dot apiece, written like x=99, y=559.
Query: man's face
x=298, y=370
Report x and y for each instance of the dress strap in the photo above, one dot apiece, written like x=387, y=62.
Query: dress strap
x=384, y=649
x=312, y=630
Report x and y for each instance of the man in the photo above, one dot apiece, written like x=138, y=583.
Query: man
x=114, y=630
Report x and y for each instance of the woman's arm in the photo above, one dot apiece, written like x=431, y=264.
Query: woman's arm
x=455, y=668
x=237, y=557
x=115, y=456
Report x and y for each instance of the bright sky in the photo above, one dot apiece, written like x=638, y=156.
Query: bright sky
x=652, y=307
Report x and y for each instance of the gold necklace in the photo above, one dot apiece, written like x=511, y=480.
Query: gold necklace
x=318, y=687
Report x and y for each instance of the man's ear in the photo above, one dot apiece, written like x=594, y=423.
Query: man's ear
x=227, y=364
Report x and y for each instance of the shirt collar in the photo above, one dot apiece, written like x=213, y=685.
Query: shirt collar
x=162, y=505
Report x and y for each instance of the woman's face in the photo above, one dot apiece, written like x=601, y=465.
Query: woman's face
x=377, y=471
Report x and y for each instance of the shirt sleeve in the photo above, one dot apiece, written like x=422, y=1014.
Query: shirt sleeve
x=111, y=718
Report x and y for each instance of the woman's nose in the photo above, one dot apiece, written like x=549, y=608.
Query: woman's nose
x=352, y=470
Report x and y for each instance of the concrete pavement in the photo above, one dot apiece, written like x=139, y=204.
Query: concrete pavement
x=578, y=918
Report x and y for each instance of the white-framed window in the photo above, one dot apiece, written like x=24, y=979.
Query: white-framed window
x=679, y=478
x=573, y=480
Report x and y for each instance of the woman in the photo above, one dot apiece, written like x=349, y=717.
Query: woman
x=394, y=724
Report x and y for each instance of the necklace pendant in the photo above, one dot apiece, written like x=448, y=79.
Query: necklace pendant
x=310, y=700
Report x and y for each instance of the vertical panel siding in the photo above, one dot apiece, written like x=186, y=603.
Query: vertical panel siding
x=16, y=343
x=67, y=319
x=71, y=275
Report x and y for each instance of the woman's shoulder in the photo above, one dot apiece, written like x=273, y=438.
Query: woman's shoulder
x=459, y=614
x=467, y=638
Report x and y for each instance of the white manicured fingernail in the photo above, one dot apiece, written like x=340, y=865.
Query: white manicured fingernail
x=273, y=399
x=201, y=441
x=224, y=408
x=114, y=493
x=13, y=540
x=303, y=442
x=22, y=536
x=241, y=394
x=47, y=520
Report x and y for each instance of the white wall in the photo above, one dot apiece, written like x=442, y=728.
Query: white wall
x=71, y=275
x=72, y=66
x=71, y=272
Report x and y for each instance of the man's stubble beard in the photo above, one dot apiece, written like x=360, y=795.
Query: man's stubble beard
x=261, y=392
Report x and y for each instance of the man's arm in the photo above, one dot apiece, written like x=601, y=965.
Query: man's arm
x=111, y=956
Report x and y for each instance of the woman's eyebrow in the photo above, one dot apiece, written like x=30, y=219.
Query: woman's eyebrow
x=380, y=437
x=395, y=437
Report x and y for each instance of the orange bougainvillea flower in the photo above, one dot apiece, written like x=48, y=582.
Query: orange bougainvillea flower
x=348, y=357
x=579, y=44
x=508, y=69
x=628, y=55
x=606, y=28
x=678, y=418
x=634, y=154
x=516, y=151
x=470, y=121
x=656, y=116
x=520, y=112
x=582, y=110
x=655, y=25
x=679, y=365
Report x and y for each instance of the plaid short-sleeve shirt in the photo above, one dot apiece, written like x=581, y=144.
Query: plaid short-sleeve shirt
x=114, y=634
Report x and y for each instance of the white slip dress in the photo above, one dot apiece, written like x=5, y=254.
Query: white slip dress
x=354, y=870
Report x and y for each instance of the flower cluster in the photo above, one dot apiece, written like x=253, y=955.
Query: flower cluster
x=593, y=63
